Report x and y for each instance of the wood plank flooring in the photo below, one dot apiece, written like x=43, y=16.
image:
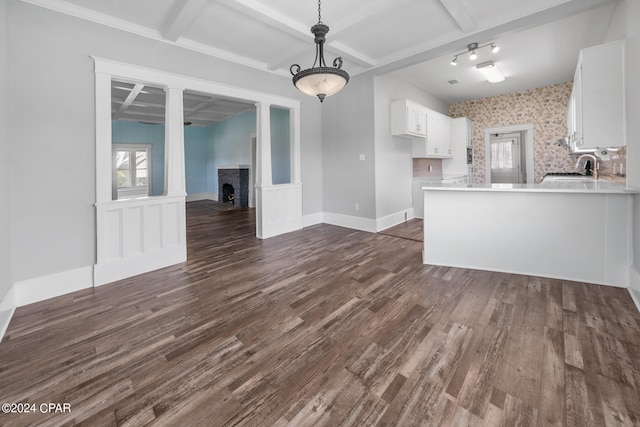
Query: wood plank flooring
x=325, y=326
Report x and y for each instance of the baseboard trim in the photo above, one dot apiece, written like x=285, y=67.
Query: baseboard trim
x=394, y=219
x=202, y=196
x=312, y=219
x=634, y=285
x=348, y=221
x=122, y=268
x=29, y=291
x=53, y=285
x=7, y=308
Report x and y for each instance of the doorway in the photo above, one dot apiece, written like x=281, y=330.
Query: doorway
x=509, y=154
x=141, y=234
x=507, y=164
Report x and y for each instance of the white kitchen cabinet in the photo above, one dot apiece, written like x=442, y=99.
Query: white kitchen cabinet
x=437, y=143
x=596, y=111
x=461, y=141
x=408, y=119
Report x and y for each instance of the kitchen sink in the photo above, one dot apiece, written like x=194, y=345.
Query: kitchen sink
x=569, y=177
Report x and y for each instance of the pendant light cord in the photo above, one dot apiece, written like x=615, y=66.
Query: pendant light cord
x=319, y=19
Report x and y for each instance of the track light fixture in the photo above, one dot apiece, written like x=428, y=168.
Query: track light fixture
x=472, y=49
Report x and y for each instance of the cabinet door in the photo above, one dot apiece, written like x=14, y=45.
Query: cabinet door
x=577, y=138
x=445, y=141
x=603, y=96
x=407, y=119
x=432, y=134
x=416, y=119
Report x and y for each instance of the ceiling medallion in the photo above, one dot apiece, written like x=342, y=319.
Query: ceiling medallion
x=320, y=81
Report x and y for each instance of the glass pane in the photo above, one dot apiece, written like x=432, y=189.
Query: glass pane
x=124, y=179
x=123, y=172
x=280, y=146
x=138, y=127
x=501, y=155
x=141, y=168
x=122, y=160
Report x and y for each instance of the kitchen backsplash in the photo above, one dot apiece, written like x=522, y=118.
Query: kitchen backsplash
x=421, y=167
x=544, y=107
x=615, y=169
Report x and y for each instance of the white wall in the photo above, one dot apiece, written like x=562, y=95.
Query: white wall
x=356, y=123
x=394, y=164
x=347, y=132
x=52, y=131
x=5, y=156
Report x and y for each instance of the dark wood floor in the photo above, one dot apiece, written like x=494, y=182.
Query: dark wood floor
x=324, y=326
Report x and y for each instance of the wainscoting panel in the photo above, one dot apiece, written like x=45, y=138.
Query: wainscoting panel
x=281, y=210
x=139, y=235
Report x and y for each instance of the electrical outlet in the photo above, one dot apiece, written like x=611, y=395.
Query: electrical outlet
x=361, y=157
x=357, y=206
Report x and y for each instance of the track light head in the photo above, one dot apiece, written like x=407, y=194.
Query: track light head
x=494, y=48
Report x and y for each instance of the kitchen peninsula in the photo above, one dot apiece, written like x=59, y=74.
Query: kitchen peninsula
x=566, y=230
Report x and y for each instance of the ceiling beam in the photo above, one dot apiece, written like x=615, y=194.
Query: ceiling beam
x=129, y=100
x=181, y=17
x=372, y=10
x=460, y=14
x=273, y=18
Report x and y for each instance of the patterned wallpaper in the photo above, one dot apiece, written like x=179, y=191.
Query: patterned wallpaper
x=544, y=107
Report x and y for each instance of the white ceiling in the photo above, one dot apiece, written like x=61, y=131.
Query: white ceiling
x=416, y=39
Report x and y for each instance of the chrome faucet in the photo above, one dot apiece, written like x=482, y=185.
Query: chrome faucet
x=594, y=162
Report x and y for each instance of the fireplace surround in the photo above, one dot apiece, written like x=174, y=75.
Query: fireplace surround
x=238, y=178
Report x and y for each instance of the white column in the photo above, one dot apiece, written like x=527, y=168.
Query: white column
x=263, y=166
x=263, y=145
x=104, y=172
x=174, y=181
x=294, y=126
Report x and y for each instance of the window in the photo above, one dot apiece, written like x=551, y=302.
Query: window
x=502, y=154
x=132, y=170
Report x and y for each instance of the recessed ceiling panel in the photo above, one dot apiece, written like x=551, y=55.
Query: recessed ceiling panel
x=490, y=12
x=231, y=31
x=415, y=24
x=306, y=11
x=144, y=13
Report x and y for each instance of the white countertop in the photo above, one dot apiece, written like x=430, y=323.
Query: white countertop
x=440, y=177
x=596, y=187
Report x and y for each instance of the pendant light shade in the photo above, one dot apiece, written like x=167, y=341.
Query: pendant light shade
x=320, y=81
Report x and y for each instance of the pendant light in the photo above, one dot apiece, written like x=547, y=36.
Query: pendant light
x=320, y=81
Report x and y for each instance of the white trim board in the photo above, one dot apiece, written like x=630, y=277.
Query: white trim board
x=634, y=285
x=202, y=196
x=7, y=308
x=53, y=285
x=41, y=288
x=394, y=219
x=349, y=221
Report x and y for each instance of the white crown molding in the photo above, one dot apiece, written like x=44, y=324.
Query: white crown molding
x=66, y=8
x=69, y=9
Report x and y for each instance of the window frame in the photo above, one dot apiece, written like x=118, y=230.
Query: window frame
x=133, y=191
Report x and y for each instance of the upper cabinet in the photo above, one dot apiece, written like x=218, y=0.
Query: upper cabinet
x=408, y=119
x=429, y=130
x=438, y=141
x=596, y=111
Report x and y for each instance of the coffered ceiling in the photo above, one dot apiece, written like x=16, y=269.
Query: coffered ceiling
x=416, y=39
